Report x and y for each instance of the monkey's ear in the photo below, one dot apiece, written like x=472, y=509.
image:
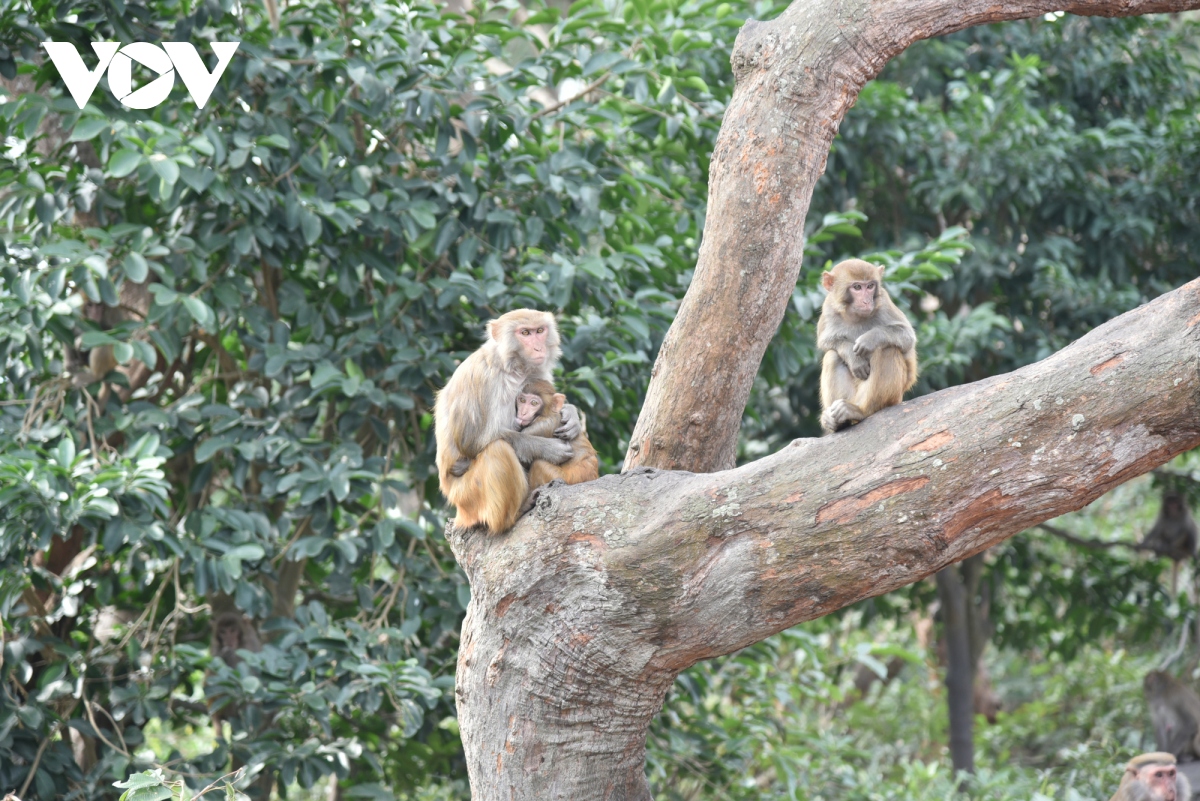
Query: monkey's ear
x=493, y=329
x=880, y=268
x=559, y=400
x=827, y=280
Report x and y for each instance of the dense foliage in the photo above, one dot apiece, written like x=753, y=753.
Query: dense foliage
x=221, y=328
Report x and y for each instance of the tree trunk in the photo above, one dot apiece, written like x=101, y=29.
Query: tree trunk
x=960, y=675
x=582, y=615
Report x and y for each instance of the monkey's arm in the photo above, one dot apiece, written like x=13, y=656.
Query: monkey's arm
x=897, y=334
x=831, y=337
x=542, y=426
x=529, y=448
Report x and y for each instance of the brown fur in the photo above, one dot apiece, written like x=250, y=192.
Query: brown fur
x=870, y=347
x=473, y=419
x=583, y=464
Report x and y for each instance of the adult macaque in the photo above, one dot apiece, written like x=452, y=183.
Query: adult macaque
x=233, y=632
x=1175, y=711
x=1173, y=534
x=481, y=456
x=870, y=347
x=539, y=411
x=1153, y=777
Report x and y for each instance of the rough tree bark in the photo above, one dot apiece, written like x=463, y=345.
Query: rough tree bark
x=582, y=616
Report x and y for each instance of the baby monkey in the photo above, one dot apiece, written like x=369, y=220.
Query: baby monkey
x=538, y=408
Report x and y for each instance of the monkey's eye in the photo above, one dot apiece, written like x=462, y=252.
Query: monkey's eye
x=856, y=287
x=524, y=332
x=541, y=330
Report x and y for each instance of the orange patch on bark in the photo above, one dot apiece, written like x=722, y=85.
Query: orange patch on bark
x=505, y=602
x=1107, y=365
x=933, y=443
x=795, y=496
x=846, y=509
x=1193, y=321
x=976, y=512
x=597, y=542
x=761, y=176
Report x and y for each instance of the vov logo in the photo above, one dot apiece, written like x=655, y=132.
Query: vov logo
x=172, y=57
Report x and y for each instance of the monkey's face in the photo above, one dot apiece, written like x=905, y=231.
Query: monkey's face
x=528, y=408
x=533, y=343
x=1161, y=780
x=860, y=297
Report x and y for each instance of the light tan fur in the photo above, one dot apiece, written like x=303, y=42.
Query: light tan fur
x=870, y=347
x=583, y=464
x=473, y=418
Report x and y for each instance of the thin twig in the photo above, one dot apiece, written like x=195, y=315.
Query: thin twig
x=591, y=87
x=1095, y=544
x=398, y=584
x=149, y=611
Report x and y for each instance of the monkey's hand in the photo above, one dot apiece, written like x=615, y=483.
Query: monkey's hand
x=458, y=468
x=571, y=425
x=864, y=345
x=860, y=366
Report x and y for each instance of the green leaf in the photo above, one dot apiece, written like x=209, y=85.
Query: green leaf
x=310, y=224
x=601, y=61
x=95, y=339
x=135, y=267
x=206, y=449
x=166, y=168
x=200, y=312
x=324, y=375
x=160, y=793
x=247, y=553
x=87, y=128
x=124, y=162
x=122, y=352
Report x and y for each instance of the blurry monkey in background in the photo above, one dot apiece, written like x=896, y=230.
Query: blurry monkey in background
x=870, y=347
x=1153, y=777
x=1175, y=712
x=1173, y=534
x=539, y=410
x=481, y=457
x=232, y=632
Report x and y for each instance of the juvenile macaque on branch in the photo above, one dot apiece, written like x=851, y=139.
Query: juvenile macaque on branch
x=870, y=347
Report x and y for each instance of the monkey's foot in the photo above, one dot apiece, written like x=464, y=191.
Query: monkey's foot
x=839, y=415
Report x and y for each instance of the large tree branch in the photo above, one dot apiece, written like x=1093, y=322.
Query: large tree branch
x=721, y=560
x=582, y=616
x=796, y=78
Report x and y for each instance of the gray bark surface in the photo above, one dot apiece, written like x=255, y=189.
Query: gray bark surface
x=582, y=616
